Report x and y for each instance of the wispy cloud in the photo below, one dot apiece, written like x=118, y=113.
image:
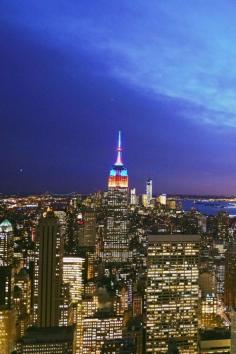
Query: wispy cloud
x=179, y=49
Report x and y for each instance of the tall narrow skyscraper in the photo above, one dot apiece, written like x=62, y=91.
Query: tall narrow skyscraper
x=6, y=260
x=49, y=270
x=133, y=197
x=116, y=242
x=6, y=243
x=7, y=313
x=149, y=191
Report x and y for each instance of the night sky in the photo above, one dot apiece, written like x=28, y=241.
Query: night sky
x=74, y=72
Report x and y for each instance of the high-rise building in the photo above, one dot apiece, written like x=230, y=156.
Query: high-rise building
x=87, y=228
x=162, y=199
x=208, y=301
x=99, y=329
x=117, y=346
x=73, y=276
x=89, y=305
x=223, y=222
x=133, y=197
x=7, y=313
x=233, y=330
x=66, y=307
x=216, y=340
x=230, y=274
x=6, y=286
x=220, y=249
x=144, y=200
x=172, y=293
x=115, y=240
x=22, y=300
x=149, y=191
x=48, y=270
x=7, y=330
x=53, y=340
x=208, y=315
x=6, y=243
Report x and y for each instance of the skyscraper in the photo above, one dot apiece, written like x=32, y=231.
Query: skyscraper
x=7, y=330
x=172, y=293
x=87, y=228
x=233, y=330
x=115, y=241
x=6, y=286
x=133, y=197
x=54, y=340
x=99, y=329
x=22, y=300
x=73, y=276
x=6, y=243
x=162, y=199
x=49, y=270
x=149, y=191
x=7, y=313
x=230, y=274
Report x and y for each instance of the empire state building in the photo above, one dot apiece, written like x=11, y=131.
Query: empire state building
x=116, y=241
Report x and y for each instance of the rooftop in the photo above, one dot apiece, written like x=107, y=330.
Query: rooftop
x=173, y=238
x=6, y=226
x=214, y=334
x=36, y=335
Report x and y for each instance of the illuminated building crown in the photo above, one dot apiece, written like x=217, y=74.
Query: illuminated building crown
x=118, y=174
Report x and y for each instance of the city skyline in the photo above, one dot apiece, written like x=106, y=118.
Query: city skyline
x=73, y=76
x=118, y=177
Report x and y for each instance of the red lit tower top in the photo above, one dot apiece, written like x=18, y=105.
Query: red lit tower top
x=118, y=174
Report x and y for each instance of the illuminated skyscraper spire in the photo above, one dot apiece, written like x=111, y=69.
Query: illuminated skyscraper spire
x=118, y=174
x=119, y=151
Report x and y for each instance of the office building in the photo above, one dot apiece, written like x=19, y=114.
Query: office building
x=119, y=346
x=66, y=307
x=7, y=312
x=230, y=276
x=48, y=275
x=172, y=293
x=215, y=341
x=6, y=243
x=87, y=228
x=22, y=301
x=149, y=191
x=6, y=286
x=208, y=318
x=73, y=275
x=115, y=240
x=53, y=340
x=233, y=330
x=133, y=197
x=7, y=330
x=144, y=200
x=99, y=329
x=89, y=305
x=162, y=199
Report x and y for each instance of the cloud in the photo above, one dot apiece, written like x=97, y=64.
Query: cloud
x=176, y=49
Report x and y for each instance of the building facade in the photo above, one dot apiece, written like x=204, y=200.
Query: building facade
x=172, y=293
x=115, y=240
x=149, y=191
x=97, y=330
x=53, y=340
x=6, y=243
x=48, y=277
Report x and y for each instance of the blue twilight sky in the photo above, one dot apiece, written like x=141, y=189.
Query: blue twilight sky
x=74, y=72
